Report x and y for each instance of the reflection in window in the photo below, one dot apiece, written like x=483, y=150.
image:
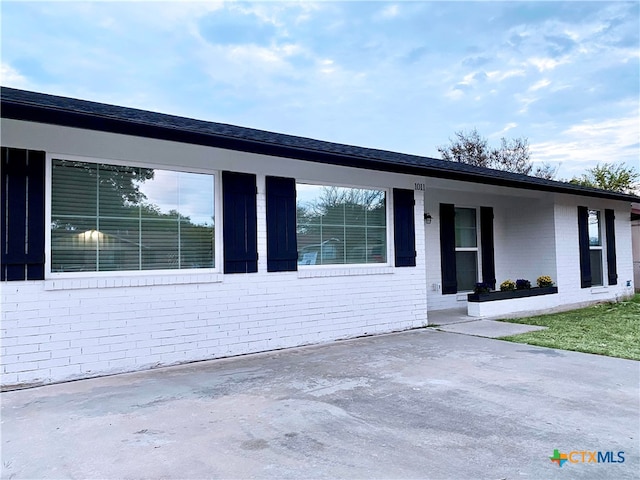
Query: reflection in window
x=595, y=247
x=466, y=248
x=339, y=225
x=114, y=218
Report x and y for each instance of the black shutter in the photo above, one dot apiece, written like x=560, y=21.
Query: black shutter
x=486, y=238
x=239, y=222
x=404, y=228
x=22, y=217
x=282, y=247
x=610, y=231
x=448, y=248
x=583, y=240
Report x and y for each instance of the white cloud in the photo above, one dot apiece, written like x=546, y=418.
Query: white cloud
x=390, y=11
x=10, y=77
x=507, y=127
x=525, y=101
x=544, y=64
x=327, y=66
x=545, y=82
x=243, y=66
x=583, y=145
x=501, y=75
x=454, y=94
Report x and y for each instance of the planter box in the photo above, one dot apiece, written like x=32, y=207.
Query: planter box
x=500, y=295
x=494, y=304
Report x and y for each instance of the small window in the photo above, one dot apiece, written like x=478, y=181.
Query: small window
x=466, y=248
x=595, y=247
x=466, y=229
x=340, y=225
x=119, y=218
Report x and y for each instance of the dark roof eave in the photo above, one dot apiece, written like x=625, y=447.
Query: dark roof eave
x=92, y=121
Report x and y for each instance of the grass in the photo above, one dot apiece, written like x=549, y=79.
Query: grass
x=611, y=329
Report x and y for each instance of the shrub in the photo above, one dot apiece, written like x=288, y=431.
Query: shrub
x=507, y=286
x=522, y=284
x=482, y=288
x=544, y=281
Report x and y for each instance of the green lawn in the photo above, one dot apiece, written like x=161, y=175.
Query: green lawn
x=611, y=329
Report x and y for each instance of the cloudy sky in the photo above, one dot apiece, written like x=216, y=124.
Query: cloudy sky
x=400, y=76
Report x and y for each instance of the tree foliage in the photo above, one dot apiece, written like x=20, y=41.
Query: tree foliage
x=512, y=155
x=610, y=176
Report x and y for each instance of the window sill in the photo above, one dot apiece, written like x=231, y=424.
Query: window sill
x=599, y=290
x=462, y=297
x=343, y=272
x=123, y=281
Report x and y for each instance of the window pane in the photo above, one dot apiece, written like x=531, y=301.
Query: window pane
x=109, y=217
x=75, y=184
x=376, y=245
x=356, y=244
x=596, y=267
x=333, y=214
x=118, y=194
x=159, y=244
x=160, y=194
x=465, y=221
x=196, y=245
x=120, y=244
x=195, y=198
x=377, y=213
x=332, y=246
x=74, y=244
x=594, y=228
x=466, y=270
x=309, y=238
x=338, y=225
x=355, y=214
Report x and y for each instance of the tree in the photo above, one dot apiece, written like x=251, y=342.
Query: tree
x=609, y=176
x=512, y=155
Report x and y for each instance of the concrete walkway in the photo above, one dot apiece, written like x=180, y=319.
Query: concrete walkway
x=419, y=404
x=457, y=321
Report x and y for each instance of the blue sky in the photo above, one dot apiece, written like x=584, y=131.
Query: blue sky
x=400, y=76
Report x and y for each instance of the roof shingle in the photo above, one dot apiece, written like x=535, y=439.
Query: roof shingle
x=45, y=108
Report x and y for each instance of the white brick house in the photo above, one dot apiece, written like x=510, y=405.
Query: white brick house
x=132, y=239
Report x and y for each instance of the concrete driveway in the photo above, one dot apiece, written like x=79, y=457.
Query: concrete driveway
x=419, y=404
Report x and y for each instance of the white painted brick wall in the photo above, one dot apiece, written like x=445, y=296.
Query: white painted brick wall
x=534, y=236
x=169, y=324
x=66, y=328
x=567, y=252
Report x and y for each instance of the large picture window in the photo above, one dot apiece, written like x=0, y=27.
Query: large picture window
x=340, y=225
x=114, y=218
x=466, y=248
